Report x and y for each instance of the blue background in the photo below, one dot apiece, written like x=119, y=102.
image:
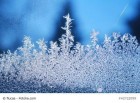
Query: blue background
x=44, y=18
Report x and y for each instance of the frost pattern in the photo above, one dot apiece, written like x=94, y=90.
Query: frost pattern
x=113, y=66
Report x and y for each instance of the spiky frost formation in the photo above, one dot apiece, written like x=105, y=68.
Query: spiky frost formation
x=113, y=66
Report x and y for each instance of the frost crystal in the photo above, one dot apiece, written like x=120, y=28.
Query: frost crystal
x=99, y=90
x=113, y=65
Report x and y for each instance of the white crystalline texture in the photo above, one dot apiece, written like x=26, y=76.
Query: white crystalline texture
x=99, y=90
x=113, y=66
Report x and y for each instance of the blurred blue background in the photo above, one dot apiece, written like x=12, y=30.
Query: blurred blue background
x=44, y=18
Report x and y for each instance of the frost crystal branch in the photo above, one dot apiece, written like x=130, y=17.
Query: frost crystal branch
x=67, y=37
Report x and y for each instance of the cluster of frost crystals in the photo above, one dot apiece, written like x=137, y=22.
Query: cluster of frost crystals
x=113, y=66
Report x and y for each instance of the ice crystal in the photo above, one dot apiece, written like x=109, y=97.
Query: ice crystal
x=99, y=90
x=113, y=66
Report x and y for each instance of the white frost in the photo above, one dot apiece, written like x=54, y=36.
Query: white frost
x=114, y=65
